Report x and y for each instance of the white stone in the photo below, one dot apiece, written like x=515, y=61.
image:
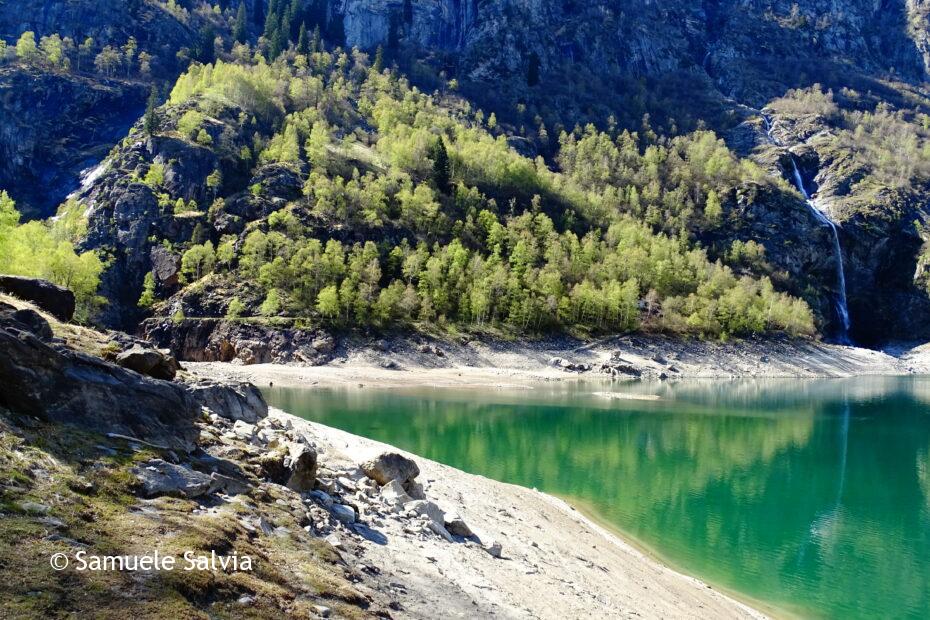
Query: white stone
x=343, y=513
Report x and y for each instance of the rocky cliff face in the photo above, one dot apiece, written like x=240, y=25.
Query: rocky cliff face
x=108, y=22
x=751, y=48
x=57, y=124
x=53, y=127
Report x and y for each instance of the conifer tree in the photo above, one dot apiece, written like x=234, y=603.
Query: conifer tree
x=442, y=170
x=241, y=29
x=150, y=125
x=378, y=66
x=303, y=40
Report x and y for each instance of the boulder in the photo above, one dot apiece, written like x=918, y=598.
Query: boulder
x=26, y=320
x=423, y=507
x=300, y=464
x=494, y=548
x=457, y=526
x=150, y=362
x=437, y=528
x=166, y=267
x=343, y=513
x=389, y=466
x=293, y=465
x=233, y=401
x=158, y=477
x=322, y=497
x=394, y=494
x=62, y=386
x=54, y=299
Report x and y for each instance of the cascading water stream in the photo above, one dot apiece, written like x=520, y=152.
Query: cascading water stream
x=842, y=309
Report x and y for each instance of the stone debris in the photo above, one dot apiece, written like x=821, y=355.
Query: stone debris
x=158, y=477
x=343, y=513
x=391, y=466
x=457, y=526
x=494, y=548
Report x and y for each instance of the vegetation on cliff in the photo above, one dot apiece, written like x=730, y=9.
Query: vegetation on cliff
x=46, y=250
x=413, y=209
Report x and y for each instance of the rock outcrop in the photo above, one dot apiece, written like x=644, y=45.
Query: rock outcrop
x=149, y=362
x=218, y=340
x=157, y=478
x=53, y=127
x=48, y=381
x=233, y=401
x=56, y=300
x=751, y=50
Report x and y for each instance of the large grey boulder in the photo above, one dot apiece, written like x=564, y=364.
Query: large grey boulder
x=166, y=268
x=149, y=362
x=54, y=299
x=58, y=385
x=158, y=477
x=233, y=401
x=389, y=466
x=25, y=320
x=293, y=465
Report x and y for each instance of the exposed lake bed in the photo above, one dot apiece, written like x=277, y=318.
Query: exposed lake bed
x=811, y=496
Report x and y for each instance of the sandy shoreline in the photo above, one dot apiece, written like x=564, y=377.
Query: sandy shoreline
x=528, y=365
x=556, y=562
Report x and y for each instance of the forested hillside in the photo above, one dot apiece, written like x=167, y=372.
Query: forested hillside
x=364, y=167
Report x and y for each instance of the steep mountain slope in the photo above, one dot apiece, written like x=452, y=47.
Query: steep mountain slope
x=63, y=107
x=544, y=69
x=319, y=189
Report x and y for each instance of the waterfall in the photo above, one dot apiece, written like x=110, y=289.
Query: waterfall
x=842, y=309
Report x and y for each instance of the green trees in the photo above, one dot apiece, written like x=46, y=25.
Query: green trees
x=26, y=49
x=272, y=304
x=150, y=124
x=241, y=28
x=442, y=170
x=303, y=40
x=412, y=211
x=36, y=250
x=108, y=61
x=190, y=124
x=147, y=299
x=198, y=261
x=235, y=309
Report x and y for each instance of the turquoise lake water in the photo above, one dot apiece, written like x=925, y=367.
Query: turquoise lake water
x=812, y=496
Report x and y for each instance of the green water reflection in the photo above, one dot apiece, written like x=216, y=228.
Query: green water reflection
x=813, y=495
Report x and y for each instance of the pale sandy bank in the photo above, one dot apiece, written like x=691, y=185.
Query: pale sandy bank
x=513, y=365
x=555, y=563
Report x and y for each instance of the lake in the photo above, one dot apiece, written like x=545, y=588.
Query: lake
x=812, y=496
